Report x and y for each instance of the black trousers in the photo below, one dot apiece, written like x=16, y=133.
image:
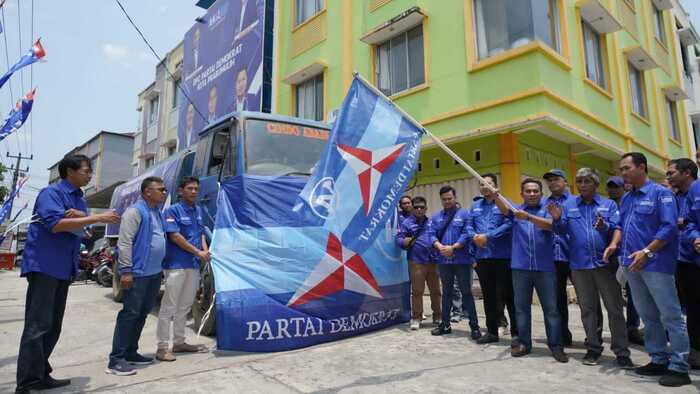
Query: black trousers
x=497, y=288
x=43, y=317
x=563, y=274
x=688, y=282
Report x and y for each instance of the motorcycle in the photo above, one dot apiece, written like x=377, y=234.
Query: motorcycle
x=103, y=271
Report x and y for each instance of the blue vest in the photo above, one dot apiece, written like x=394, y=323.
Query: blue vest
x=142, y=241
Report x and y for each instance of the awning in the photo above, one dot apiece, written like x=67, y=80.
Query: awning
x=641, y=59
x=305, y=73
x=600, y=19
x=396, y=25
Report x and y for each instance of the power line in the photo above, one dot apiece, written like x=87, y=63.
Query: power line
x=31, y=86
x=20, y=133
x=160, y=60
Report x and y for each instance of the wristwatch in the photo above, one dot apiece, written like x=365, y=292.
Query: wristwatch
x=648, y=253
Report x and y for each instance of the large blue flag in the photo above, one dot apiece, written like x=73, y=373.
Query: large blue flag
x=7, y=205
x=17, y=116
x=298, y=262
x=35, y=53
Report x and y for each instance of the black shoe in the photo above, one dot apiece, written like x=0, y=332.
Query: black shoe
x=652, y=369
x=674, y=379
x=488, y=338
x=519, y=351
x=51, y=383
x=624, y=362
x=442, y=329
x=476, y=334
x=635, y=337
x=591, y=358
x=138, y=359
x=436, y=323
x=560, y=356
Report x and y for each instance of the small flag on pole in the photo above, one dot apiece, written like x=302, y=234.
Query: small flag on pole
x=35, y=53
x=17, y=116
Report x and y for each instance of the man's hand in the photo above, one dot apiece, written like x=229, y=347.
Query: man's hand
x=609, y=251
x=126, y=280
x=696, y=245
x=554, y=211
x=204, y=256
x=109, y=217
x=599, y=223
x=522, y=215
x=480, y=240
x=681, y=224
x=407, y=241
x=74, y=213
x=639, y=260
x=447, y=251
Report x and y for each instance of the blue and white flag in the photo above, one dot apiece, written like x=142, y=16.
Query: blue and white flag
x=17, y=116
x=298, y=262
x=35, y=53
x=7, y=205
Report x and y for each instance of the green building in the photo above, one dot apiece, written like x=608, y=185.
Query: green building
x=515, y=87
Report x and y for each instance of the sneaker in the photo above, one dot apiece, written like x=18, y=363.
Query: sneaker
x=488, y=338
x=476, y=334
x=138, y=359
x=165, y=355
x=624, y=362
x=652, y=369
x=121, y=368
x=634, y=336
x=187, y=348
x=591, y=358
x=560, y=356
x=519, y=351
x=674, y=379
x=415, y=324
x=442, y=329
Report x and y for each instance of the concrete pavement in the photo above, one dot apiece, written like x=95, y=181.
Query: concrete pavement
x=392, y=360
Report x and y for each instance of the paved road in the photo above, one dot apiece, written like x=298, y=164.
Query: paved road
x=392, y=360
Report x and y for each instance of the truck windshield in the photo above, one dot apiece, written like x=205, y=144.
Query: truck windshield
x=276, y=148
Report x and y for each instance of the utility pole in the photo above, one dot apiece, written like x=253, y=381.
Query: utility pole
x=16, y=170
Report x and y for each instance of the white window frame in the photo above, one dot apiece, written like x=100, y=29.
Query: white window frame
x=638, y=91
x=384, y=59
x=153, y=105
x=306, y=9
x=594, y=55
x=659, y=25
x=673, y=125
x=175, y=100
x=315, y=111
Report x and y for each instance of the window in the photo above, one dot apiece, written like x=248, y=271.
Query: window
x=149, y=162
x=659, y=25
x=305, y=9
x=176, y=94
x=502, y=25
x=309, y=98
x=153, y=110
x=171, y=150
x=399, y=62
x=436, y=164
x=673, y=120
x=595, y=55
x=637, y=89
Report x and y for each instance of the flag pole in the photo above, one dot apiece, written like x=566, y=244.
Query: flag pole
x=435, y=139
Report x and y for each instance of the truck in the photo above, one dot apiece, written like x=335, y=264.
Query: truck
x=237, y=144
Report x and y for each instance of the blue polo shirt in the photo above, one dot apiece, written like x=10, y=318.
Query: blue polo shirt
x=186, y=220
x=692, y=230
x=456, y=232
x=485, y=218
x=422, y=250
x=561, y=242
x=587, y=243
x=532, y=247
x=686, y=252
x=53, y=254
x=647, y=214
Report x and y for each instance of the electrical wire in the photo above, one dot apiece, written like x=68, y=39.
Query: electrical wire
x=19, y=133
x=31, y=86
x=7, y=63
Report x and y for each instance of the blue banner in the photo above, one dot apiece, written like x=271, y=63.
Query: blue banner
x=17, y=116
x=35, y=53
x=223, y=65
x=298, y=262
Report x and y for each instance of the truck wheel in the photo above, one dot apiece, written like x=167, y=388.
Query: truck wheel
x=117, y=292
x=202, y=301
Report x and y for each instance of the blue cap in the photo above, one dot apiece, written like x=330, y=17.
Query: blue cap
x=615, y=181
x=554, y=172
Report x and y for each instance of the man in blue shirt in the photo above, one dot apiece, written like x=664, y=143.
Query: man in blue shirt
x=532, y=263
x=647, y=235
x=413, y=236
x=50, y=264
x=489, y=230
x=405, y=208
x=141, y=252
x=588, y=221
x=186, y=247
x=559, y=189
x=682, y=174
x=448, y=235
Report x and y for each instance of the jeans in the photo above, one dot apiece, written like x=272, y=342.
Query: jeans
x=688, y=280
x=497, y=287
x=546, y=285
x=657, y=302
x=563, y=274
x=633, y=321
x=422, y=273
x=43, y=318
x=180, y=289
x=463, y=272
x=138, y=302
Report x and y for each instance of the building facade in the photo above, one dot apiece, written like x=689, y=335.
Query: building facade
x=688, y=58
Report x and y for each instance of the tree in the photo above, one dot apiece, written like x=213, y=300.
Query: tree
x=4, y=190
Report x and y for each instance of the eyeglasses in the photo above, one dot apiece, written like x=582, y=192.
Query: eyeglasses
x=418, y=207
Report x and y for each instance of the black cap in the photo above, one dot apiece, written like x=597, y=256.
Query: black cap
x=554, y=173
x=615, y=181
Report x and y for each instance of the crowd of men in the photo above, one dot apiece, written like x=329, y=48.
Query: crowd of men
x=151, y=245
x=644, y=238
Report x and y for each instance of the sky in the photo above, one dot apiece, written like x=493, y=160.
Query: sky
x=95, y=66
